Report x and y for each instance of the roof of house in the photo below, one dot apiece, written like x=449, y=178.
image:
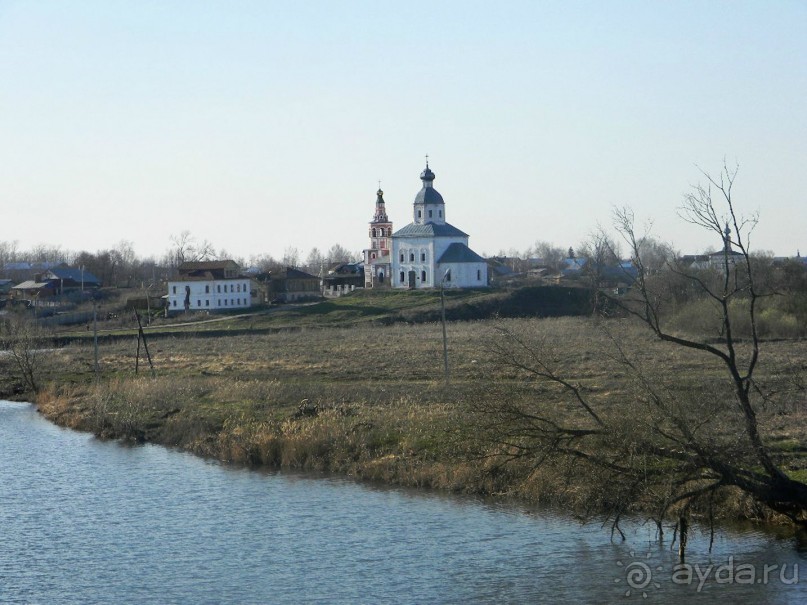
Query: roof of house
x=292, y=273
x=429, y=230
x=207, y=265
x=31, y=285
x=460, y=253
x=73, y=274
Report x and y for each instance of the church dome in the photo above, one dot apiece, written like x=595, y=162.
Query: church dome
x=428, y=194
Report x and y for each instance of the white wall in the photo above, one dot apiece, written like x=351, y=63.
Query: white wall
x=212, y=295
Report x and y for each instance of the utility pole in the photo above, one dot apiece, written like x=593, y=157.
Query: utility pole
x=443, y=313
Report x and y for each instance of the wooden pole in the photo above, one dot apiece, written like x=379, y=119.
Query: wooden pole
x=142, y=335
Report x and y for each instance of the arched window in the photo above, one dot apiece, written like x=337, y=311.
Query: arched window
x=411, y=257
x=423, y=277
x=403, y=277
x=380, y=277
x=402, y=257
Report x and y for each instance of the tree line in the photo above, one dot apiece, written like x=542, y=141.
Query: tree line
x=121, y=266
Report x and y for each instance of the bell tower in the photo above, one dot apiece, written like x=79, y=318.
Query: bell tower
x=377, y=259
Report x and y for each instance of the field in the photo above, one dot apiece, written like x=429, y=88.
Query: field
x=370, y=399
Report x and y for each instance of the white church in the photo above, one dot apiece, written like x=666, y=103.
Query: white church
x=428, y=251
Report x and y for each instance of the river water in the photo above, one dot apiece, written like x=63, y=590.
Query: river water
x=86, y=521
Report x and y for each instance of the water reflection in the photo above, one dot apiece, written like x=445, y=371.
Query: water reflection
x=92, y=522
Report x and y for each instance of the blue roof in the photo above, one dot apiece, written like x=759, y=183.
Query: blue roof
x=429, y=230
x=74, y=274
x=460, y=253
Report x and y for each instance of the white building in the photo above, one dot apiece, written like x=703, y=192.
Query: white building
x=430, y=250
x=209, y=286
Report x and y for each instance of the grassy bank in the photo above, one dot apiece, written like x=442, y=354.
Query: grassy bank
x=370, y=400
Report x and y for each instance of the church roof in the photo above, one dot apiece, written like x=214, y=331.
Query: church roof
x=428, y=195
x=460, y=253
x=429, y=230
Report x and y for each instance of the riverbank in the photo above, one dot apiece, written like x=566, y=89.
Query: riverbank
x=371, y=402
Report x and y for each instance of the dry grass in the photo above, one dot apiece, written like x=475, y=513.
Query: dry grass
x=382, y=409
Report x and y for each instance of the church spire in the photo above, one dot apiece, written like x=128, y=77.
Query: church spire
x=380, y=215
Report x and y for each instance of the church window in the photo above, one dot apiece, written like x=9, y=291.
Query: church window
x=380, y=277
x=372, y=255
x=423, y=257
x=440, y=213
x=402, y=279
x=423, y=276
x=479, y=275
x=420, y=214
x=448, y=275
x=430, y=213
x=411, y=257
x=402, y=257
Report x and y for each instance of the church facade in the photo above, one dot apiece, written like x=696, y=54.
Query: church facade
x=430, y=252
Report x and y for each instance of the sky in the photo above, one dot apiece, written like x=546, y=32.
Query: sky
x=261, y=126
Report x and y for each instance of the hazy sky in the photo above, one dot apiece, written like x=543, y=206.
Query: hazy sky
x=262, y=125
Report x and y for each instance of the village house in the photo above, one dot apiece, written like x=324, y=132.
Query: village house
x=292, y=285
x=209, y=286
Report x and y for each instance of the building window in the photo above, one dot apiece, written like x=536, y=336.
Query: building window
x=232, y=288
x=430, y=213
x=175, y=288
x=411, y=257
x=402, y=260
x=218, y=288
x=175, y=303
x=440, y=213
x=207, y=289
x=198, y=303
x=448, y=275
x=402, y=280
x=219, y=301
x=423, y=257
x=479, y=275
x=423, y=276
x=420, y=214
x=238, y=287
x=207, y=302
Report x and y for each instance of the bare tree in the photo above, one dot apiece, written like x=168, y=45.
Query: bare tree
x=21, y=337
x=678, y=441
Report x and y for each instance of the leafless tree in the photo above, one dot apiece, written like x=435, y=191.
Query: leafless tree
x=21, y=338
x=678, y=441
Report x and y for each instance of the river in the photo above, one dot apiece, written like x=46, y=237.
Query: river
x=87, y=521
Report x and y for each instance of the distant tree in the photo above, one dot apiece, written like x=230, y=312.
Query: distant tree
x=339, y=254
x=550, y=254
x=315, y=262
x=186, y=248
x=291, y=257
